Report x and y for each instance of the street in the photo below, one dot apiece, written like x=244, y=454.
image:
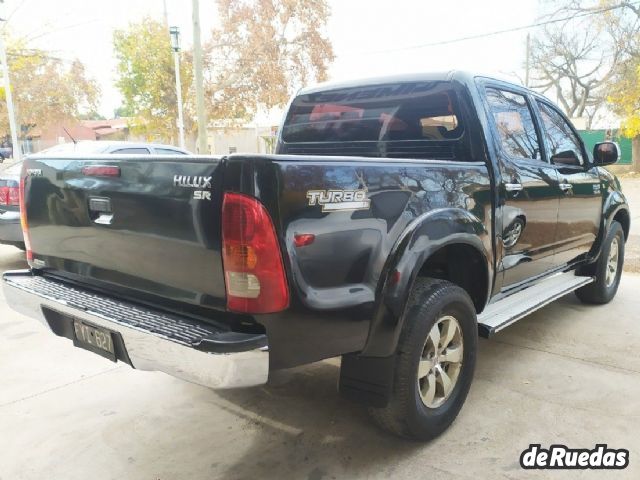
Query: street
x=567, y=374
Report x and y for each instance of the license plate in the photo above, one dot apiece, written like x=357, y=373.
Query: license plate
x=95, y=339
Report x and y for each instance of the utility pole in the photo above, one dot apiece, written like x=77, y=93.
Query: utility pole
x=175, y=45
x=15, y=146
x=527, y=64
x=166, y=15
x=197, y=70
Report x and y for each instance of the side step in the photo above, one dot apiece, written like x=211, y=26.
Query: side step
x=510, y=309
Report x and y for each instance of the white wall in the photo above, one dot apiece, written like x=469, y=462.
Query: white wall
x=244, y=140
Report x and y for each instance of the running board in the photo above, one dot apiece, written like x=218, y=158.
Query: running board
x=508, y=310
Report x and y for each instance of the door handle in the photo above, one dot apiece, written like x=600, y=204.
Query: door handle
x=565, y=187
x=513, y=187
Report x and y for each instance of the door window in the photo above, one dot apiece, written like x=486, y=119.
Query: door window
x=514, y=122
x=564, y=145
x=135, y=150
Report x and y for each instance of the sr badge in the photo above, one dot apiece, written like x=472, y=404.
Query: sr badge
x=339, y=200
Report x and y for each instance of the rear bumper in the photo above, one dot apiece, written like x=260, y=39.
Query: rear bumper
x=153, y=340
x=10, y=229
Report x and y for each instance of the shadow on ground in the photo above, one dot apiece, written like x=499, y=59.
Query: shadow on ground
x=303, y=425
x=11, y=258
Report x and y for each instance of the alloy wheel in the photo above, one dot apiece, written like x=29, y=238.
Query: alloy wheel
x=441, y=361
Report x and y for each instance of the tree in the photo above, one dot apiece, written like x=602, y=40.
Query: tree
x=263, y=51
x=581, y=55
x=91, y=115
x=624, y=96
x=147, y=79
x=46, y=90
x=625, y=99
x=122, y=111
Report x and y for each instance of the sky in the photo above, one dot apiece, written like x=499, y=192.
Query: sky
x=370, y=37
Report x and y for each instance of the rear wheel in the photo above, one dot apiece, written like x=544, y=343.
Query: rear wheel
x=435, y=361
x=608, y=269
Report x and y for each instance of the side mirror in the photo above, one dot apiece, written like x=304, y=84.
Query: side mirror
x=567, y=157
x=606, y=153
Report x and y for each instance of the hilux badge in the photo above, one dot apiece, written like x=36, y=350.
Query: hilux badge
x=194, y=182
x=337, y=200
x=199, y=182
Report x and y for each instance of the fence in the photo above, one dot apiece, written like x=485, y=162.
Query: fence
x=591, y=137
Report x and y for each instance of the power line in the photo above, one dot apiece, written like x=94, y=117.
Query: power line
x=10, y=16
x=497, y=32
x=29, y=38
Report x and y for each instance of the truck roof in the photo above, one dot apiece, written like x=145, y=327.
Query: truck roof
x=460, y=75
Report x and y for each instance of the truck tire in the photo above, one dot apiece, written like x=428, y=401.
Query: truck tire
x=608, y=269
x=435, y=361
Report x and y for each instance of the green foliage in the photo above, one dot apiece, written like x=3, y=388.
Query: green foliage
x=625, y=99
x=262, y=52
x=46, y=90
x=92, y=115
x=122, y=111
x=146, y=79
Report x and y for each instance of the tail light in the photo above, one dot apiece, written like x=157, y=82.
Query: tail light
x=254, y=273
x=10, y=196
x=23, y=219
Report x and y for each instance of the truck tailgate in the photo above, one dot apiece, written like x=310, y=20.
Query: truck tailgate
x=145, y=224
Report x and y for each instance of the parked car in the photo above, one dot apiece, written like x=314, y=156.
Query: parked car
x=116, y=147
x=399, y=219
x=5, y=152
x=10, y=229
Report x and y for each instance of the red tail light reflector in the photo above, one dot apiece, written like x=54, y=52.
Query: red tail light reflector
x=23, y=218
x=101, y=171
x=254, y=273
x=303, y=239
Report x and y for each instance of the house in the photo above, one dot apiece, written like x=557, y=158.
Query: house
x=41, y=138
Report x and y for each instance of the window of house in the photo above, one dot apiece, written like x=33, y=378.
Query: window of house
x=514, y=122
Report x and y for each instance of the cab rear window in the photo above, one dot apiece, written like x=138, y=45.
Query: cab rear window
x=388, y=112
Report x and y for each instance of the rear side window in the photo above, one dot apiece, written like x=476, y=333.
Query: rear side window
x=388, y=112
x=168, y=151
x=134, y=151
x=514, y=122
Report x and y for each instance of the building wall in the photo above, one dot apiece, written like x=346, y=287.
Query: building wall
x=239, y=140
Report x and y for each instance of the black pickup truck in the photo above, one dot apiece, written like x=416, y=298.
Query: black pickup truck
x=400, y=218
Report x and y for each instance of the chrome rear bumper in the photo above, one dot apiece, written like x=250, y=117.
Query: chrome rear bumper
x=190, y=350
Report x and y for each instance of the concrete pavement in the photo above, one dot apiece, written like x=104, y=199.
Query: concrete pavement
x=631, y=189
x=567, y=374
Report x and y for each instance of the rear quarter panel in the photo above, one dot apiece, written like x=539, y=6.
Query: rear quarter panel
x=336, y=280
